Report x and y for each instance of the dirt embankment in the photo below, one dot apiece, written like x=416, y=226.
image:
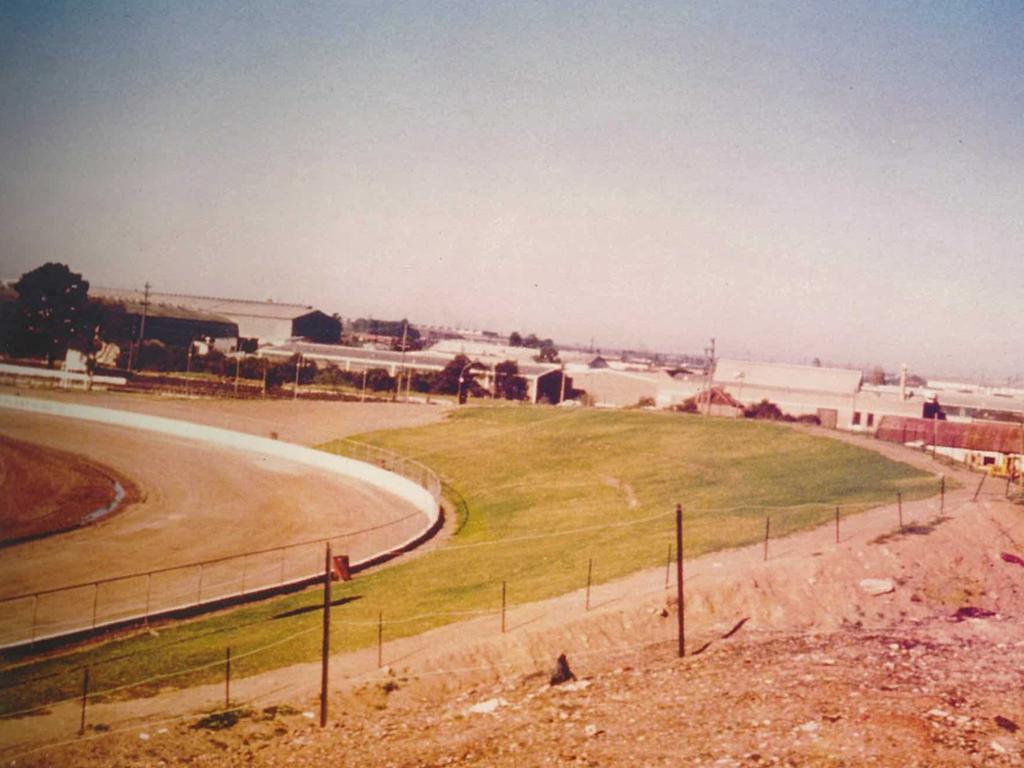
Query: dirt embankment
x=890, y=647
x=46, y=490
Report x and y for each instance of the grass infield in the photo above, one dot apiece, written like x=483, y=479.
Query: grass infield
x=540, y=487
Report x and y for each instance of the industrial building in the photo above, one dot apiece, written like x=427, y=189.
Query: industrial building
x=992, y=446
x=543, y=380
x=259, y=322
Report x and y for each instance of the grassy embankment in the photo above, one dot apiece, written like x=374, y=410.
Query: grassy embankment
x=522, y=472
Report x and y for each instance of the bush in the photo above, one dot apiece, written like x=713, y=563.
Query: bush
x=689, y=405
x=766, y=410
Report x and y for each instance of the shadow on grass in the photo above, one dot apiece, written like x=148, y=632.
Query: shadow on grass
x=913, y=529
x=315, y=607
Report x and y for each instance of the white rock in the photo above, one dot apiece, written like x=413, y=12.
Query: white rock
x=877, y=587
x=144, y=736
x=997, y=747
x=810, y=727
x=576, y=685
x=488, y=706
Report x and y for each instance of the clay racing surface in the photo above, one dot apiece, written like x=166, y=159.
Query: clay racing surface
x=196, y=503
x=43, y=490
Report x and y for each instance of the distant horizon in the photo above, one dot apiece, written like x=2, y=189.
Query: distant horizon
x=563, y=343
x=798, y=180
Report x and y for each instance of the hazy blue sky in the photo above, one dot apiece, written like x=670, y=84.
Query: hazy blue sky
x=838, y=180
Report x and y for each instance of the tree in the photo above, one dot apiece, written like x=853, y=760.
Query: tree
x=515, y=340
x=459, y=368
x=547, y=354
x=508, y=383
x=53, y=312
x=876, y=375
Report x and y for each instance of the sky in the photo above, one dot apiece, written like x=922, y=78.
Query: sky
x=834, y=180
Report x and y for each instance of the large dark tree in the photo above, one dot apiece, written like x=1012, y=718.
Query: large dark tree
x=457, y=378
x=53, y=312
x=508, y=383
x=547, y=354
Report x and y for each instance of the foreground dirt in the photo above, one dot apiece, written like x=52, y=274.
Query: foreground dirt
x=46, y=490
x=797, y=660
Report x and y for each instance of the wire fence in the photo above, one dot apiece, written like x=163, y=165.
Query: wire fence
x=907, y=517
x=50, y=614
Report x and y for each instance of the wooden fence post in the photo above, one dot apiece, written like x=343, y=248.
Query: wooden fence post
x=85, y=695
x=325, y=652
x=679, y=580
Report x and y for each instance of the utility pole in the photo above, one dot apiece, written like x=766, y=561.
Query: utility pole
x=133, y=355
x=142, y=325
x=709, y=377
x=405, y=330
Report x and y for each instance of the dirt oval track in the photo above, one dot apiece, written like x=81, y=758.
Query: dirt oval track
x=197, y=503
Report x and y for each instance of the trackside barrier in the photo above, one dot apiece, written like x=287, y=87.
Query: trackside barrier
x=103, y=603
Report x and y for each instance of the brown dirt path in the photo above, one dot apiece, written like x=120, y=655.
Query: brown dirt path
x=809, y=587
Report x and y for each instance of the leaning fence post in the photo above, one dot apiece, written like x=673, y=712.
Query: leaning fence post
x=679, y=580
x=981, y=483
x=590, y=570
x=899, y=506
x=380, y=639
x=326, y=647
x=227, y=677
x=942, y=494
x=85, y=695
x=95, y=601
x=767, y=532
x=668, y=565
x=837, y=525
x=503, y=607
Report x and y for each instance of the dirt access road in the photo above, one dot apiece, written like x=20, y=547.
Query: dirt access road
x=820, y=671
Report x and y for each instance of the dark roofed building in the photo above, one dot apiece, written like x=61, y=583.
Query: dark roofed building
x=267, y=322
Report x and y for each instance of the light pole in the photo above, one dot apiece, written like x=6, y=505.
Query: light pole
x=462, y=378
x=188, y=370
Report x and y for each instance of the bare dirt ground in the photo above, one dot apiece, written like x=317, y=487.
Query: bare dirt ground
x=888, y=648
x=47, y=490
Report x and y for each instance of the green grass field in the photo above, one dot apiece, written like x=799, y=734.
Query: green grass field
x=540, y=486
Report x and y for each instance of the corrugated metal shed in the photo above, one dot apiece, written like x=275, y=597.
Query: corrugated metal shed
x=215, y=305
x=991, y=436
x=735, y=373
